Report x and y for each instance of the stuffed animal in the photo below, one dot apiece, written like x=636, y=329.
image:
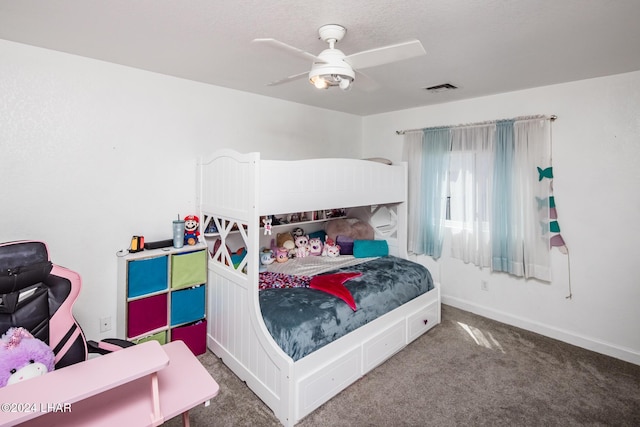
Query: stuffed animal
x=328, y=242
x=282, y=255
x=267, y=225
x=330, y=248
x=333, y=251
x=266, y=258
x=285, y=240
x=297, y=232
x=302, y=246
x=191, y=233
x=315, y=246
x=22, y=356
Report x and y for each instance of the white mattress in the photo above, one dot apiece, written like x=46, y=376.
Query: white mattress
x=314, y=265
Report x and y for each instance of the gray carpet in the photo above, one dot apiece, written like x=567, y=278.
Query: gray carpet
x=467, y=371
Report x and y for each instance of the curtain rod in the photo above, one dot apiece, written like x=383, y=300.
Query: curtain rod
x=522, y=118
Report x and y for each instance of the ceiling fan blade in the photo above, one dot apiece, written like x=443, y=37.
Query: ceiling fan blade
x=277, y=44
x=364, y=82
x=288, y=79
x=385, y=54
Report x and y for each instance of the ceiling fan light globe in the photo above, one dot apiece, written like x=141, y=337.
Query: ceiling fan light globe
x=319, y=82
x=344, y=82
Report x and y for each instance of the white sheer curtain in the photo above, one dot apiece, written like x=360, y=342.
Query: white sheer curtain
x=532, y=151
x=470, y=185
x=500, y=195
x=412, y=154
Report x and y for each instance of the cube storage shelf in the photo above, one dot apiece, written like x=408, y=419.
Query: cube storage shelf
x=162, y=296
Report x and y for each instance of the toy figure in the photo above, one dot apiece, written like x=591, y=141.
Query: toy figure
x=22, y=356
x=267, y=225
x=191, y=233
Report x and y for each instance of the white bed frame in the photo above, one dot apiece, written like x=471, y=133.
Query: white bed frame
x=235, y=191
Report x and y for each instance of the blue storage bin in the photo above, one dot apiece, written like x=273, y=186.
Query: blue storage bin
x=187, y=305
x=147, y=275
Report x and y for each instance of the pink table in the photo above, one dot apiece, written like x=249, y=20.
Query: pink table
x=143, y=385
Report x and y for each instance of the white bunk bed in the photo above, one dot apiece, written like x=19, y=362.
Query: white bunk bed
x=235, y=192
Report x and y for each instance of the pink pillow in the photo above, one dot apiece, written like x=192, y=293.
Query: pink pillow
x=349, y=227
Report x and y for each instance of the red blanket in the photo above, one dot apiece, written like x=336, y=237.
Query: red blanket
x=334, y=285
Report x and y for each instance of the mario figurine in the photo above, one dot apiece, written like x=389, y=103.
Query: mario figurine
x=191, y=233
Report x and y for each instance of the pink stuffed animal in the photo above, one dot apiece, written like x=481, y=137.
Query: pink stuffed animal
x=333, y=251
x=302, y=246
x=315, y=246
x=330, y=248
x=22, y=356
x=282, y=255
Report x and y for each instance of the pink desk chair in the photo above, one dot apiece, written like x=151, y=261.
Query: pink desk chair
x=141, y=385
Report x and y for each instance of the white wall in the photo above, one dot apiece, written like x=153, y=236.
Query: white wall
x=596, y=154
x=92, y=153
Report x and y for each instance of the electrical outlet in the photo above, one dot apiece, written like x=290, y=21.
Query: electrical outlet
x=484, y=285
x=105, y=324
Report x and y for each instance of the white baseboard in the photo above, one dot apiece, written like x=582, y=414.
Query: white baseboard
x=569, y=337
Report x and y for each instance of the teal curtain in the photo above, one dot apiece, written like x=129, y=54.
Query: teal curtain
x=436, y=146
x=503, y=235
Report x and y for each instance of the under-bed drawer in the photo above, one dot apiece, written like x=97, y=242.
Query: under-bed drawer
x=384, y=345
x=422, y=320
x=328, y=381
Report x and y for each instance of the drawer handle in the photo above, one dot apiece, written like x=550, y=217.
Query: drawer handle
x=425, y=321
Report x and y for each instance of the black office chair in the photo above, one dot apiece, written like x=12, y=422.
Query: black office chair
x=39, y=296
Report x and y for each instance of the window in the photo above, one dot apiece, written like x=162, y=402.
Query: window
x=490, y=192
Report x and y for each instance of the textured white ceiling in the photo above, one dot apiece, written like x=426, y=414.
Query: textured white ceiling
x=483, y=47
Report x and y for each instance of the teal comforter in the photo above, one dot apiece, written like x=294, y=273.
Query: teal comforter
x=301, y=319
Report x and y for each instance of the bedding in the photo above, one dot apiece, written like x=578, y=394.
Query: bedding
x=236, y=191
x=314, y=265
x=302, y=320
x=333, y=284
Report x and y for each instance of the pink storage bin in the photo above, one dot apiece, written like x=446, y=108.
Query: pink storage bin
x=147, y=314
x=194, y=336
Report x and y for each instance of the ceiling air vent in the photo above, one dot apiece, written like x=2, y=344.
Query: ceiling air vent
x=440, y=88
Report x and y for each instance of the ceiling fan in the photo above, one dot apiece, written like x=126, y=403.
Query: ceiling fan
x=333, y=68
